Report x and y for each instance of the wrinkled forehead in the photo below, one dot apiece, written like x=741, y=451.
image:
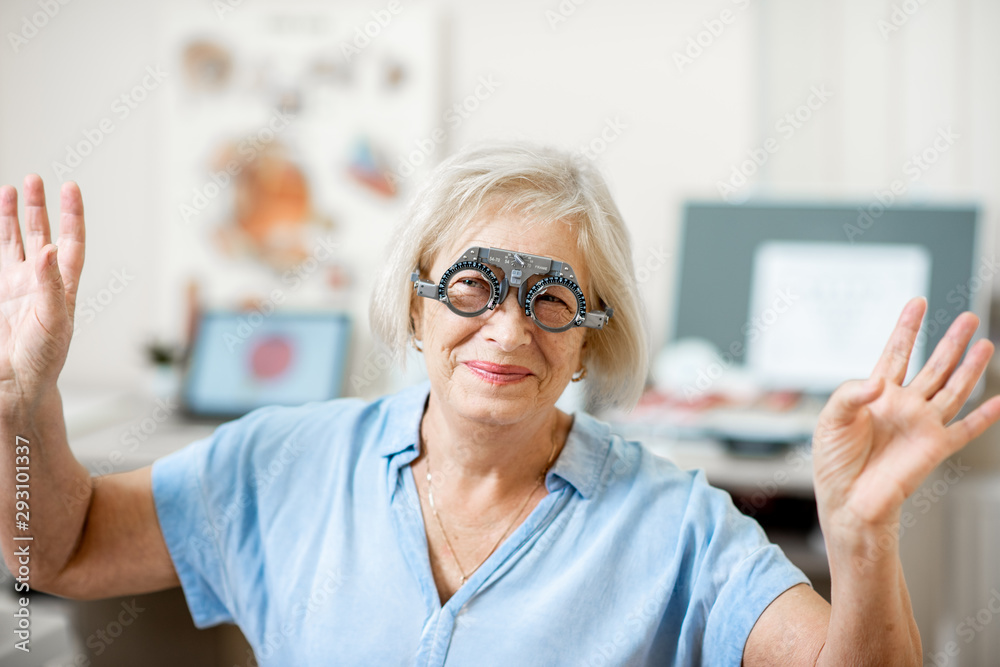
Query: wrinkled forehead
x=553, y=239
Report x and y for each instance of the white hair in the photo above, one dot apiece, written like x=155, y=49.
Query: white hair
x=542, y=185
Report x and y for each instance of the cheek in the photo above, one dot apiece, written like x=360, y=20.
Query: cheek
x=565, y=351
x=447, y=329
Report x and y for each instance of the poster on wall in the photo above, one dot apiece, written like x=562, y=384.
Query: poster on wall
x=286, y=137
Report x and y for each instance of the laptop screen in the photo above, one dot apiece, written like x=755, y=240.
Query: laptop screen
x=241, y=361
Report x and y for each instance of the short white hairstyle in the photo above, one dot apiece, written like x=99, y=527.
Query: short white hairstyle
x=542, y=185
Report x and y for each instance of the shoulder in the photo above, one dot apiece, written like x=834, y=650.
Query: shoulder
x=260, y=433
x=277, y=436
x=651, y=491
x=629, y=467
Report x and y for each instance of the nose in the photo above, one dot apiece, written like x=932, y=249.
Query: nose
x=507, y=325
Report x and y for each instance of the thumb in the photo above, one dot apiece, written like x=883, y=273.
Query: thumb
x=850, y=397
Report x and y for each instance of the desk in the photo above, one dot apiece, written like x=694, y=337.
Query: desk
x=135, y=443
x=787, y=474
x=113, y=431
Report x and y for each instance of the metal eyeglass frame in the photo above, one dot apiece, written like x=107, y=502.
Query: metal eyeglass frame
x=517, y=268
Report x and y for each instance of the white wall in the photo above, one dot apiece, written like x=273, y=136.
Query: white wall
x=684, y=128
x=63, y=81
x=560, y=84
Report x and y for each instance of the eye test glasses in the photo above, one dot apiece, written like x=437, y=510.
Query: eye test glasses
x=481, y=279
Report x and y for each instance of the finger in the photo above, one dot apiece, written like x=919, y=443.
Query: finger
x=896, y=355
x=950, y=399
x=36, y=217
x=974, y=424
x=11, y=249
x=850, y=398
x=948, y=351
x=72, y=241
x=52, y=304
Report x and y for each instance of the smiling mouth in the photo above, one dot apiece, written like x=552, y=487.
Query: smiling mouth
x=497, y=373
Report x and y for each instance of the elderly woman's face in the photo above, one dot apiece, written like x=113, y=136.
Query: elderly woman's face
x=500, y=366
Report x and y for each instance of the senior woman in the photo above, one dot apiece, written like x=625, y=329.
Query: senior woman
x=466, y=520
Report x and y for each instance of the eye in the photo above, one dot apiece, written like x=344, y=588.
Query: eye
x=469, y=291
x=552, y=299
x=469, y=285
x=554, y=306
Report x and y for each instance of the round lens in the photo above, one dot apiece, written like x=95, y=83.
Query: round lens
x=469, y=291
x=554, y=306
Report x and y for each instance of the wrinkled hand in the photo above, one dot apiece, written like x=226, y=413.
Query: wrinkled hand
x=37, y=299
x=876, y=441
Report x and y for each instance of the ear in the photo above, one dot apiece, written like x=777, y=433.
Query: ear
x=415, y=316
x=583, y=349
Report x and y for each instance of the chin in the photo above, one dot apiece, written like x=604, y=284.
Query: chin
x=504, y=402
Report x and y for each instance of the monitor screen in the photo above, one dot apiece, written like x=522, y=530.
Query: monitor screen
x=244, y=360
x=805, y=295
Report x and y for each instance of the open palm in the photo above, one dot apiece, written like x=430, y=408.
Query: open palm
x=876, y=441
x=37, y=299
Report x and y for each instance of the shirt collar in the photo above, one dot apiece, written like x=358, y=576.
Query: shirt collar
x=583, y=457
x=406, y=409
x=580, y=462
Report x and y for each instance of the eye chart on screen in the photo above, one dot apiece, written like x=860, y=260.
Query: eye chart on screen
x=820, y=313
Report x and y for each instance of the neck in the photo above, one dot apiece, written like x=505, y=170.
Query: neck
x=489, y=462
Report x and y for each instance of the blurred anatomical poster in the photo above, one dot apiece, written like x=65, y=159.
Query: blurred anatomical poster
x=290, y=140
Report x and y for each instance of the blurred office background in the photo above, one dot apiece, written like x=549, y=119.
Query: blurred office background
x=865, y=104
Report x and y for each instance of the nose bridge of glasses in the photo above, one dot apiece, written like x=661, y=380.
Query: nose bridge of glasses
x=509, y=290
x=519, y=283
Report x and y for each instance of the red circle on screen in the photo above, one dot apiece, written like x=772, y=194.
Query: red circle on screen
x=271, y=357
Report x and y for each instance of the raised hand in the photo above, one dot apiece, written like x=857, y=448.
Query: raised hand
x=876, y=441
x=38, y=289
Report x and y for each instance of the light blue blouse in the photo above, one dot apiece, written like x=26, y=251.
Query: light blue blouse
x=302, y=525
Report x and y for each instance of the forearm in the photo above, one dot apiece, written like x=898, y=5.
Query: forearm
x=54, y=487
x=871, y=620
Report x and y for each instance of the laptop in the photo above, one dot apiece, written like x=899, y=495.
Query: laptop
x=243, y=360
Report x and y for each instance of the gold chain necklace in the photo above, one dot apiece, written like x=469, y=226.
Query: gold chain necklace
x=454, y=555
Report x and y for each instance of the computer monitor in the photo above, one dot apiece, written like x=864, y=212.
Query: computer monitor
x=241, y=361
x=804, y=295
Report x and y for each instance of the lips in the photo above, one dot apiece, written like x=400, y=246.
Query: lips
x=498, y=373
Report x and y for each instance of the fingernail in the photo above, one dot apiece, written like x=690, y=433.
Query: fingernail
x=52, y=255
